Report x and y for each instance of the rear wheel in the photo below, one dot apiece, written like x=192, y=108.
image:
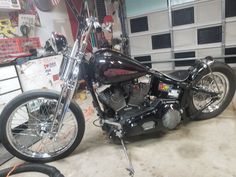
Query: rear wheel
x=222, y=81
x=26, y=124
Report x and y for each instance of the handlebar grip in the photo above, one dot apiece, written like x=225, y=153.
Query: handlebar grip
x=96, y=24
x=99, y=29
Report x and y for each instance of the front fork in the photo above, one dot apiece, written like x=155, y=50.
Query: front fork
x=70, y=77
x=63, y=104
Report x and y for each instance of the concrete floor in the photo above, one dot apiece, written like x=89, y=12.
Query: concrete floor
x=199, y=149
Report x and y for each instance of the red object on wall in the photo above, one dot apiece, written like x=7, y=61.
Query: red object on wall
x=108, y=19
x=55, y=77
x=73, y=22
x=17, y=45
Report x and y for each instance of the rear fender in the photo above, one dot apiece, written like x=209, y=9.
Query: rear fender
x=200, y=67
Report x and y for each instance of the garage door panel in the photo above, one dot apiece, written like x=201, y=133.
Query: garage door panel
x=185, y=38
x=162, y=66
x=215, y=52
x=230, y=33
x=140, y=44
x=209, y=12
x=158, y=21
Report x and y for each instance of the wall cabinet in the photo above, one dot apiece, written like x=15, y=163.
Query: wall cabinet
x=35, y=74
x=9, y=85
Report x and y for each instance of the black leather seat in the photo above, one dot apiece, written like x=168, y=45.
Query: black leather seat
x=180, y=75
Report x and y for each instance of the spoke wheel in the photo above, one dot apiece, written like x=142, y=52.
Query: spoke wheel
x=28, y=131
x=208, y=83
x=222, y=82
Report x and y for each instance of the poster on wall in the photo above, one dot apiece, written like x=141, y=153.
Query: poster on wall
x=27, y=7
x=6, y=29
x=41, y=73
x=26, y=25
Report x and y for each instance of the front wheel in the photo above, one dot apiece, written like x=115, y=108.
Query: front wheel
x=26, y=127
x=222, y=80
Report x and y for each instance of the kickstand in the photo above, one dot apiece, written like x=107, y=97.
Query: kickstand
x=131, y=168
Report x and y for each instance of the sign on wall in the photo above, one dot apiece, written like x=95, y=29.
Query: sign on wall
x=41, y=73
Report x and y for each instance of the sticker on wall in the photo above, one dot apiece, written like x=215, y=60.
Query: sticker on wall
x=55, y=77
x=49, y=67
x=26, y=26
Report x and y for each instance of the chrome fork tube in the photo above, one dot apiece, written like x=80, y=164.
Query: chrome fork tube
x=65, y=98
x=66, y=103
x=71, y=60
x=70, y=78
x=68, y=88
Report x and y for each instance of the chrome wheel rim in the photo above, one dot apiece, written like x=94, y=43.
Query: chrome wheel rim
x=28, y=129
x=208, y=83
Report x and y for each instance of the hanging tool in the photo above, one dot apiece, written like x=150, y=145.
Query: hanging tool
x=25, y=30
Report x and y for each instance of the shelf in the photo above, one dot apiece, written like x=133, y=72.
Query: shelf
x=8, y=10
x=8, y=6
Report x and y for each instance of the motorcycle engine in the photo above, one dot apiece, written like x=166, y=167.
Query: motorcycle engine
x=172, y=117
x=136, y=111
x=137, y=93
x=113, y=98
x=129, y=94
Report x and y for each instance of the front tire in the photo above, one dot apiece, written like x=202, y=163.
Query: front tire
x=225, y=78
x=25, y=126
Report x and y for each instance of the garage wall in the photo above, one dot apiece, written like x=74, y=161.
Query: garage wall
x=193, y=28
x=56, y=20
x=41, y=73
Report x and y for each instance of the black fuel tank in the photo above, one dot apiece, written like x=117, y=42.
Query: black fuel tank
x=112, y=67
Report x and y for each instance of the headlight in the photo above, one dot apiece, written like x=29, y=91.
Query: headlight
x=58, y=42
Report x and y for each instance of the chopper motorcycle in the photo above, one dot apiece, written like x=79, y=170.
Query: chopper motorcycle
x=130, y=98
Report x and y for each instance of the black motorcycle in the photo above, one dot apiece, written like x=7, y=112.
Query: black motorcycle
x=130, y=98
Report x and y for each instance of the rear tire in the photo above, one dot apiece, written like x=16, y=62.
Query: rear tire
x=223, y=73
x=35, y=128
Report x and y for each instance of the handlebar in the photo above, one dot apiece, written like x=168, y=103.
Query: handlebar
x=92, y=23
x=81, y=42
